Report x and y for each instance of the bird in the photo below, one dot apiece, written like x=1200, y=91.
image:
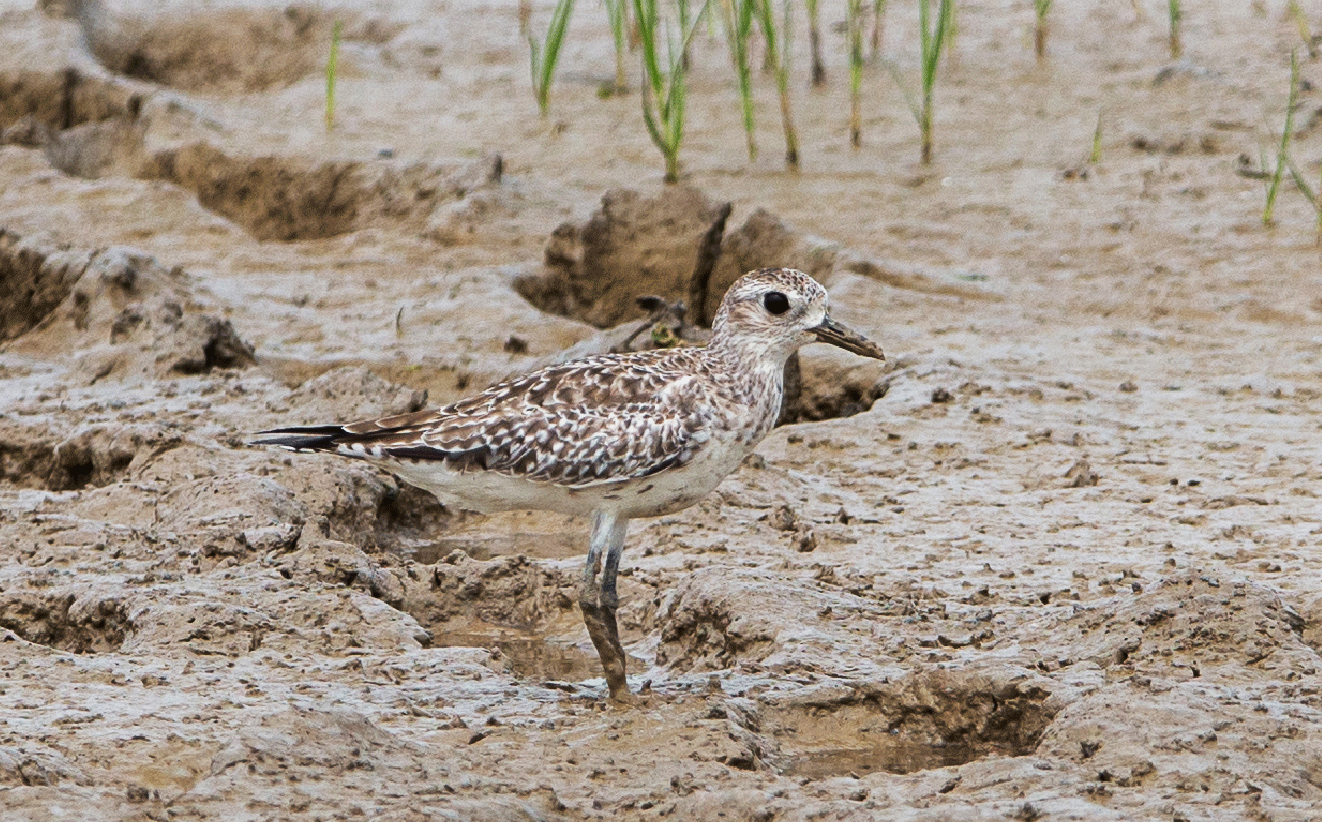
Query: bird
x=611, y=436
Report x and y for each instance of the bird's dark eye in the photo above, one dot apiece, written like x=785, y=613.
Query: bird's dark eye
x=776, y=302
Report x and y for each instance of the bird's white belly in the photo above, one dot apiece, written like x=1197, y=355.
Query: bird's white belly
x=662, y=493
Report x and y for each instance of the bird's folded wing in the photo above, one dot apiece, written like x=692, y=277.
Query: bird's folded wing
x=567, y=425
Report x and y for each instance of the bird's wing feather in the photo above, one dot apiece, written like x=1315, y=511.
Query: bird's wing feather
x=596, y=420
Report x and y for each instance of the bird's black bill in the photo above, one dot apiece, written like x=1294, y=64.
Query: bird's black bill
x=836, y=334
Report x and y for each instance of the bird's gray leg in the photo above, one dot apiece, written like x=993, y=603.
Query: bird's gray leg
x=598, y=600
x=609, y=599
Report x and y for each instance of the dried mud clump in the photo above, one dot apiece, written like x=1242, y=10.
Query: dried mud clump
x=120, y=310
x=58, y=100
x=632, y=246
x=707, y=623
x=458, y=592
x=64, y=620
x=37, y=278
x=635, y=246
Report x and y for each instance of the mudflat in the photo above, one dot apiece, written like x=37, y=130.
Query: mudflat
x=1059, y=558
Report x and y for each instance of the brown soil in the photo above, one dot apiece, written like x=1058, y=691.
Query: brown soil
x=1058, y=559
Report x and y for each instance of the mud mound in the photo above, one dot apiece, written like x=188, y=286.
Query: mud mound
x=831, y=383
x=35, y=764
x=763, y=241
x=348, y=748
x=60, y=100
x=119, y=309
x=635, y=246
x=1192, y=624
x=81, y=621
x=37, y=278
x=514, y=592
x=632, y=246
x=101, y=454
x=717, y=618
x=229, y=614
x=216, y=50
x=87, y=127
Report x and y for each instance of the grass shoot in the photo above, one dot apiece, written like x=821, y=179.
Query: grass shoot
x=815, y=44
x=778, y=59
x=854, y=40
x=878, y=27
x=1095, y=156
x=737, y=17
x=1041, y=8
x=545, y=55
x=332, y=69
x=1283, y=150
x=1305, y=31
x=617, y=13
x=1173, y=11
x=932, y=37
x=663, y=84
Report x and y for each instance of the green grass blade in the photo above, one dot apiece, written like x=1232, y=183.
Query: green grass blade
x=738, y=29
x=854, y=37
x=1283, y=150
x=1174, y=13
x=1095, y=156
x=878, y=26
x=547, y=54
x=332, y=69
x=1041, y=8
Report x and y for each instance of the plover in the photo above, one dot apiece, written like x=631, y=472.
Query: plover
x=614, y=436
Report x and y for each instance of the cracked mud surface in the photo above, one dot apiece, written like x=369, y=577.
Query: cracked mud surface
x=1065, y=566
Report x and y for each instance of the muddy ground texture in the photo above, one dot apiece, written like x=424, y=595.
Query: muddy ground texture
x=1058, y=559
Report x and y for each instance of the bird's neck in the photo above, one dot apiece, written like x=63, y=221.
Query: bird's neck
x=753, y=381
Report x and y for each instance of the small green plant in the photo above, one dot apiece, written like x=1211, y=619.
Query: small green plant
x=663, y=85
x=617, y=13
x=777, y=34
x=546, y=55
x=1305, y=32
x=815, y=44
x=332, y=68
x=1173, y=11
x=1041, y=8
x=854, y=40
x=737, y=17
x=878, y=27
x=1283, y=149
x=1095, y=156
x=932, y=39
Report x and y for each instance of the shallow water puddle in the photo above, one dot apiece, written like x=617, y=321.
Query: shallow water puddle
x=899, y=756
x=528, y=655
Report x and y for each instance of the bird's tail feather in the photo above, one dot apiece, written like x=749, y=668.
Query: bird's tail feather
x=306, y=438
